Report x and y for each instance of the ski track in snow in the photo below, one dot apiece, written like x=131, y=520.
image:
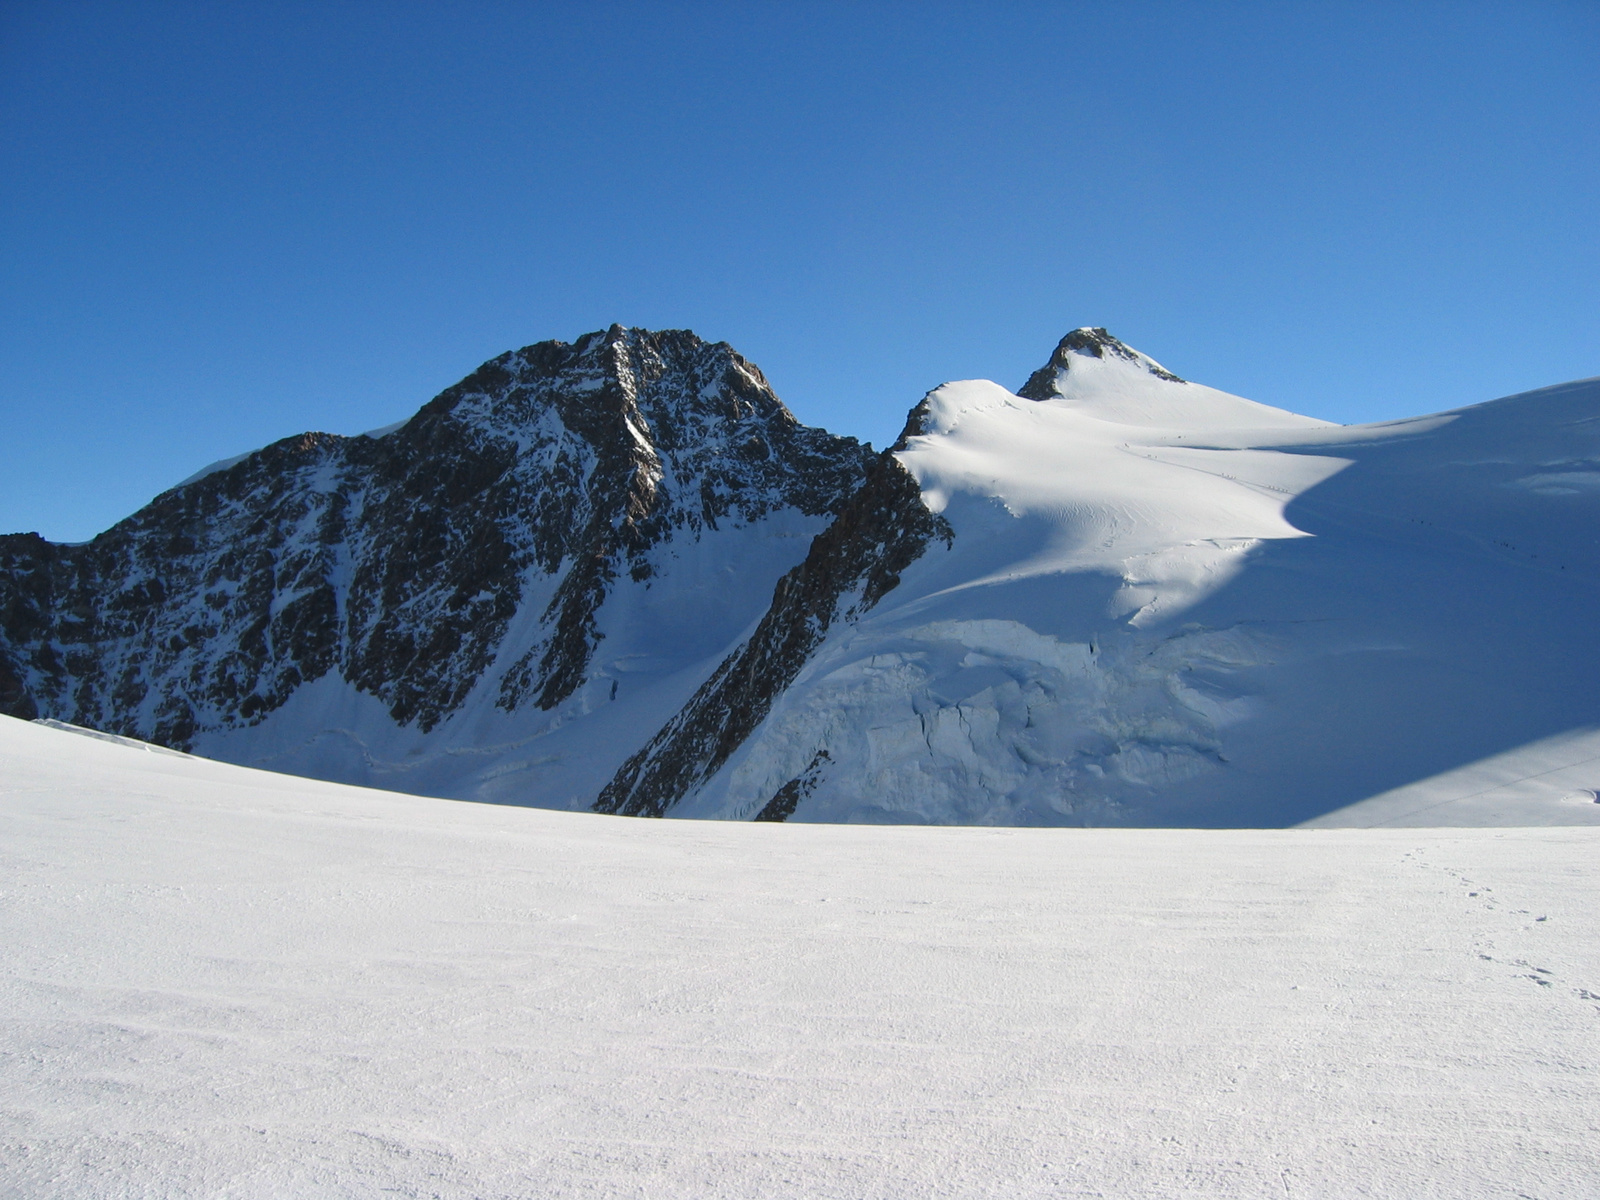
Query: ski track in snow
x=221, y=982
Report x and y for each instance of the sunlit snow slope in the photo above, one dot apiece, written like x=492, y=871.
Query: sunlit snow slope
x=1163, y=604
x=221, y=982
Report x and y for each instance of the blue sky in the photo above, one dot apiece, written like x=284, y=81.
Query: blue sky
x=225, y=224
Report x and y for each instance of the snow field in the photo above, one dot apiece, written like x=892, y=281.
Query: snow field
x=1168, y=606
x=221, y=982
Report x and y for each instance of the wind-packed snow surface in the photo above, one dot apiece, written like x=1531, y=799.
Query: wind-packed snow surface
x=1165, y=605
x=221, y=982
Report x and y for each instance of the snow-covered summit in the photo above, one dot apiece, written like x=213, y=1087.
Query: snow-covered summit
x=1095, y=373
x=1088, y=345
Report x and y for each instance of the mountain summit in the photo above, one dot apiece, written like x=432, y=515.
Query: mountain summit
x=565, y=527
x=1081, y=344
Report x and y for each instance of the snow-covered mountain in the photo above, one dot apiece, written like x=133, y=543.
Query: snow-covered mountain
x=619, y=574
x=571, y=536
x=1146, y=601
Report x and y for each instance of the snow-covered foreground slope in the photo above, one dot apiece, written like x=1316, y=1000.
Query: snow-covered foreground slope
x=1159, y=604
x=220, y=982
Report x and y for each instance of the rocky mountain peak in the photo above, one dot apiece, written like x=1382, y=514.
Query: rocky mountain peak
x=637, y=365
x=547, y=479
x=1087, y=342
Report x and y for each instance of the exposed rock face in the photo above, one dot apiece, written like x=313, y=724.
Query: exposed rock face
x=787, y=798
x=1096, y=342
x=852, y=564
x=399, y=561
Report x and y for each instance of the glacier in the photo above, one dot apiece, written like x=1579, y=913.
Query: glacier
x=1165, y=605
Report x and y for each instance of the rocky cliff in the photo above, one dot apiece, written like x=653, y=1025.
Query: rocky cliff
x=515, y=505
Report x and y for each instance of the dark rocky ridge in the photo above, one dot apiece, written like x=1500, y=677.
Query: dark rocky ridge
x=787, y=798
x=1041, y=384
x=400, y=561
x=852, y=564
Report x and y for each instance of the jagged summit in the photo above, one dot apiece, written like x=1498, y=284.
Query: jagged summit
x=621, y=384
x=612, y=380
x=1087, y=342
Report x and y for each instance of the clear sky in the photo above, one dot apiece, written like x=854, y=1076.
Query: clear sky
x=221, y=224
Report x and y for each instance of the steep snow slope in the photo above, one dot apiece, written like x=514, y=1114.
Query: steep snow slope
x=498, y=597
x=219, y=982
x=1162, y=604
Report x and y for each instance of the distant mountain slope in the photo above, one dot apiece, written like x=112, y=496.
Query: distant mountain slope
x=1153, y=602
x=563, y=530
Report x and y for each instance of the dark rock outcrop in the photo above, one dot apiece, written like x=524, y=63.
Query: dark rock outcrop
x=399, y=561
x=787, y=798
x=852, y=564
